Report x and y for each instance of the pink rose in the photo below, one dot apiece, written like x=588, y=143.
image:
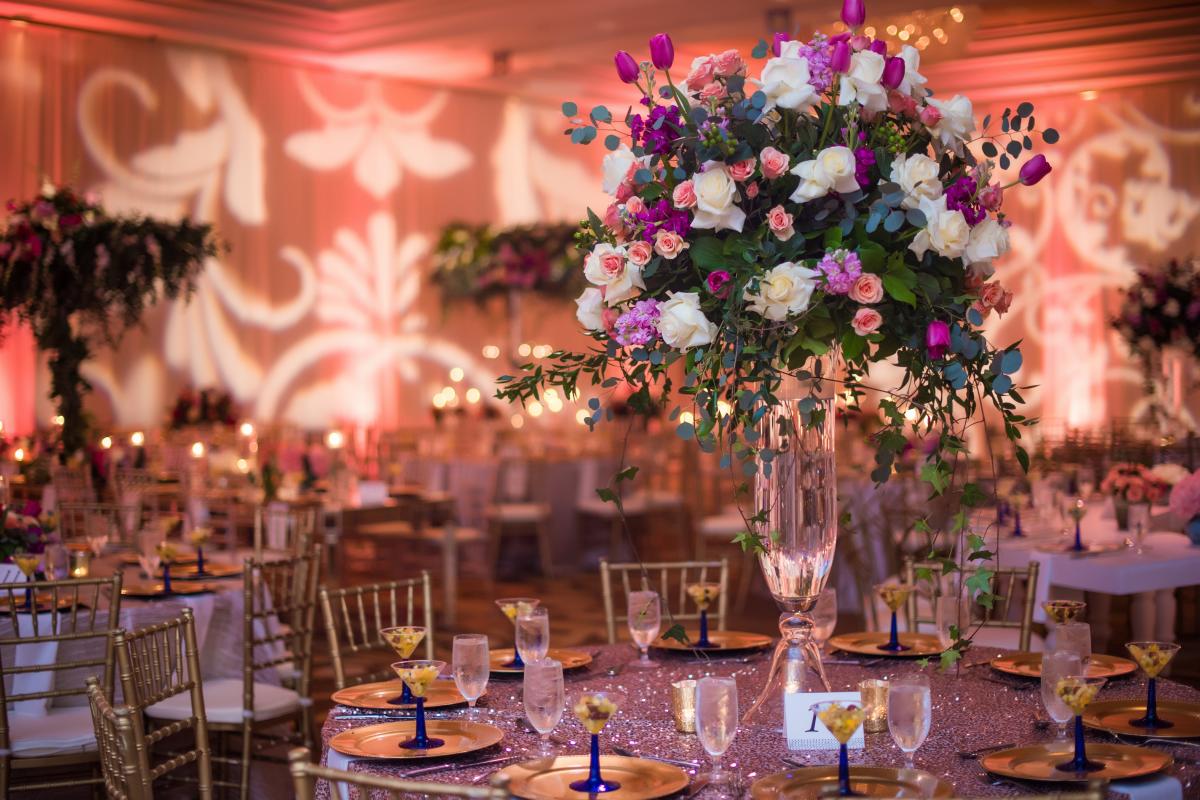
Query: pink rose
x=718, y=283
x=703, y=69
x=774, y=162
x=640, y=253
x=669, y=244
x=743, y=169
x=780, y=223
x=867, y=289
x=684, y=195
x=1135, y=493
x=728, y=63
x=866, y=321
x=609, y=317
x=860, y=42
x=752, y=191
x=930, y=116
x=624, y=192
x=635, y=205
x=996, y=296
x=613, y=221
x=991, y=196
x=712, y=91
x=902, y=104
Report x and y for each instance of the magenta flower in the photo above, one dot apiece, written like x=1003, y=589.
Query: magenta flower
x=718, y=283
x=662, y=51
x=937, y=339
x=840, y=60
x=627, y=68
x=854, y=12
x=893, y=72
x=878, y=46
x=639, y=325
x=1034, y=170
x=777, y=42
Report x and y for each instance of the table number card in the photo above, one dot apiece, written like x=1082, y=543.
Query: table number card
x=804, y=731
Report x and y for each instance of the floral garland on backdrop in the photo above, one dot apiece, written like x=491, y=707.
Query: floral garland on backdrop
x=79, y=277
x=477, y=262
x=830, y=206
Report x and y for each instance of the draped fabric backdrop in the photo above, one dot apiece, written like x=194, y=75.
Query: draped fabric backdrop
x=330, y=190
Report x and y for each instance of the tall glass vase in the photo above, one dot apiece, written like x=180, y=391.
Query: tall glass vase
x=797, y=498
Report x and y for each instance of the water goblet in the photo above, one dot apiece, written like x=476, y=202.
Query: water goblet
x=716, y=720
x=825, y=616
x=910, y=712
x=894, y=595
x=1077, y=510
x=1153, y=658
x=471, y=667
x=1075, y=637
x=533, y=633
x=703, y=595
x=842, y=721
x=594, y=710
x=417, y=676
x=27, y=563
x=403, y=640
x=1055, y=667
x=543, y=695
x=1078, y=692
x=512, y=607
x=198, y=538
x=645, y=620
x=1139, y=521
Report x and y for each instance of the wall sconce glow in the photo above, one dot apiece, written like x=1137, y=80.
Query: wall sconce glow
x=491, y=351
x=243, y=466
x=451, y=395
x=456, y=374
x=439, y=400
x=247, y=429
x=582, y=416
x=524, y=349
x=19, y=454
x=517, y=421
x=137, y=439
x=58, y=420
x=473, y=395
x=335, y=440
x=553, y=400
x=687, y=418
x=1089, y=95
x=197, y=449
x=106, y=442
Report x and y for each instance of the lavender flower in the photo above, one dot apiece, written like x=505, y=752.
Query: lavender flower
x=864, y=159
x=639, y=325
x=819, y=54
x=841, y=269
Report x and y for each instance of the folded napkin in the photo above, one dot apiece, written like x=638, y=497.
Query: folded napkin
x=336, y=760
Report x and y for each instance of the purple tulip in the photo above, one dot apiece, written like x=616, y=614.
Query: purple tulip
x=777, y=42
x=937, y=339
x=893, y=72
x=1034, y=170
x=662, y=52
x=840, y=60
x=854, y=12
x=627, y=68
x=878, y=46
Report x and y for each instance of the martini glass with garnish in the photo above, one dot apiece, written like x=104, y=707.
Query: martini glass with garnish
x=404, y=640
x=513, y=607
x=166, y=554
x=1078, y=692
x=594, y=710
x=704, y=595
x=417, y=677
x=894, y=595
x=198, y=538
x=1153, y=658
x=27, y=563
x=843, y=721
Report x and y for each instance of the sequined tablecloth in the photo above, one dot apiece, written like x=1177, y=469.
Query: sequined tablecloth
x=972, y=707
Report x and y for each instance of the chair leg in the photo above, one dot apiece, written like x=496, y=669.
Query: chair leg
x=247, y=747
x=544, y=548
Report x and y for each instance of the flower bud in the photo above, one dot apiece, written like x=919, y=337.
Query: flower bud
x=840, y=60
x=859, y=42
x=878, y=46
x=930, y=116
x=662, y=52
x=777, y=42
x=854, y=12
x=1034, y=170
x=937, y=339
x=893, y=72
x=627, y=68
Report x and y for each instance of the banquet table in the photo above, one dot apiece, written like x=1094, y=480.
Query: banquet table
x=970, y=710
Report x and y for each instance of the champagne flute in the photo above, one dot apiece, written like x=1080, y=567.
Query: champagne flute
x=703, y=595
x=403, y=640
x=471, y=667
x=645, y=620
x=512, y=607
x=894, y=595
x=27, y=563
x=825, y=616
x=1078, y=692
x=533, y=633
x=910, y=712
x=842, y=721
x=543, y=695
x=417, y=676
x=1153, y=658
x=716, y=720
x=1055, y=667
x=594, y=710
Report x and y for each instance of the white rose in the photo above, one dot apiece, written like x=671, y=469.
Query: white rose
x=831, y=171
x=609, y=266
x=861, y=84
x=589, y=309
x=917, y=175
x=716, y=193
x=946, y=232
x=989, y=239
x=682, y=324
x=785, y=290
x=616, y=166
x=785, y=81
x=913, y=82
x=957, y=122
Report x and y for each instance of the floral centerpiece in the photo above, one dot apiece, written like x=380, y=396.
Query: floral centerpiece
x=27, y=529
x=798, y=221
x=79, y=276
x=205, y=407
x=1162, y=309
x=1129, y=484
x=1185, y=505
x=478, y=262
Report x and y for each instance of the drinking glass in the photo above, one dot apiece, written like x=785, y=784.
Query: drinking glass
x=27, y=563
x=1078, y=692
x=894, y=595
x=544, y=698
x=645, y=620
x=910, y=713
x=1139, y=521
x=512, y=607
x=825, y=616
x=594, y=710
x=1153, y=658
x=417, y=676
x=716, y=720
x=703, y=595
x=404, y=640
x=1075, y=637
x=471, y=667
x=1055, y=667
x=842, y=721
x=533, y=633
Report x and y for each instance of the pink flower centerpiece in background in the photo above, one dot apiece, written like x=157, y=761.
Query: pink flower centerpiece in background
x=1185, y=505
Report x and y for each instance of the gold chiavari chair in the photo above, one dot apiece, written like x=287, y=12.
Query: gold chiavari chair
x=363, y=786
x=354, y=615
x=1005, y=584
x=72, y=485
x=73, y=634
x=282, y=530
x=120, y=522
x=124, y=761
x=143, y=489
x=154, y=665
x=673, y=579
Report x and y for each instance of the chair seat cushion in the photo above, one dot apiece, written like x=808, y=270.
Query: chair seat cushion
x=519, y=512
x=223, y=702
x=60, y=731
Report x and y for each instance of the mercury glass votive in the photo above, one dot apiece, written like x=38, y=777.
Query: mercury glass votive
x=683, y=705
x=874, y=695
x=79, y=563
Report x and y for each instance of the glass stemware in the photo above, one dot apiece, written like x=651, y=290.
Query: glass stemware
x=703, y=595
x=417, y=676
x=842, y=721
x=1077, y=510
x=894, y=595
x=1018, y=499
x=1078, y=692
x=1153, y=658
x=594, y=710
x=716, y=720
x=403, y=640
x=543, y=695
x=1055, y=667
x=167, y=555
x=533, y=633
x=825, y=616
x=512, y=607
x=27, y=563
x=1064, y=611
x=1075, y=637
x=910, y=712
x=645, y=621
x=471, y=667
x=1139, y=522
x=198, y=538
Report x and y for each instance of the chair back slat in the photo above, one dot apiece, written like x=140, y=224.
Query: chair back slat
x=124, y=760
x=673, y=578
x=365, y=786
x=1004, y=583
x=354, y=615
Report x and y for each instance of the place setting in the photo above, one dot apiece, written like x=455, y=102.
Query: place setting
x=1069, y=633
x=531, y=637
x=892, y=644
x=645, y=623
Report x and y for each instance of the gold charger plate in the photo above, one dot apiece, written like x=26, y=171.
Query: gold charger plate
x=1088, y=549
x=810, y=783
x=1039, y=762
x=721, y=640
x=550, y=778
x=379, y=695
x=570, y=659
x=868, y=644
x=1029, y=665
x=383, y=741
x=132, y=559
x=188, y=572
x=154, y=591
x=1114, y=716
